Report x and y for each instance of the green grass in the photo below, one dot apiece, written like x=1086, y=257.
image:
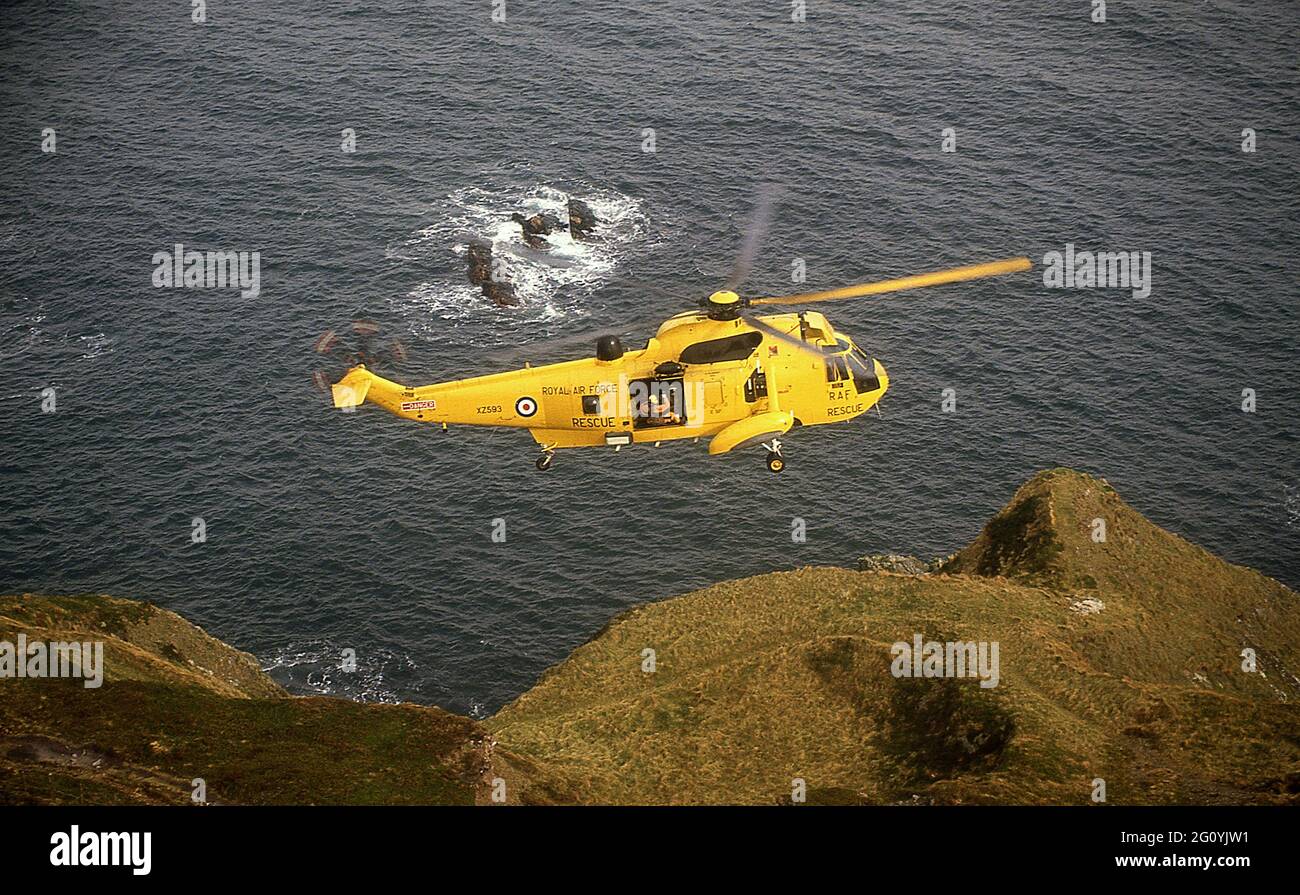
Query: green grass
x=759, y=683
x=155, y=739
x=177, y=705
x=786, y=675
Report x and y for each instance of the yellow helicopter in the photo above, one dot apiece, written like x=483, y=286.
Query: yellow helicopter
x=719, y=373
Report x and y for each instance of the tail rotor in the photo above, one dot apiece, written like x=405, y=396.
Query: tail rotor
x=359, y=344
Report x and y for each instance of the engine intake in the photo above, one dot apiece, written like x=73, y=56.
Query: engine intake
x=609, y=348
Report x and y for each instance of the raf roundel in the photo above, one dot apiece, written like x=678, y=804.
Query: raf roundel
x=526, y=407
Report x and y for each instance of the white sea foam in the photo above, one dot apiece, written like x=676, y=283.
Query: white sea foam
x=316, y=666
x=95, y=345
x=550, y=283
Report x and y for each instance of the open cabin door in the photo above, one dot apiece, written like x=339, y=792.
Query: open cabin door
x=660, y=401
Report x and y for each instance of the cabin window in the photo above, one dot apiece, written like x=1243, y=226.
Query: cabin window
x=755, y=387
x=837, y=370
x=715, y=351
x=591, y=404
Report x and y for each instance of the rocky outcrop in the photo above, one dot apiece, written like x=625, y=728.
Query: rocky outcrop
x=892, y=562
x=484, y=273
x=1120, y=658
x=582, y=220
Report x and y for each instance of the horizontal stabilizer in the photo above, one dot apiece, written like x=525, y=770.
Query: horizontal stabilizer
x=350, y=391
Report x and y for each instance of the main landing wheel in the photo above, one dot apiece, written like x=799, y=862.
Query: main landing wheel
x=775, y=462
x=544, y=462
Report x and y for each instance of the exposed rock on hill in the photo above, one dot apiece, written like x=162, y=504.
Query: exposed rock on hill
x=892, y=562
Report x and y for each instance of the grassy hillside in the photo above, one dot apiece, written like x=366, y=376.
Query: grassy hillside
x=177, y=705
x=1119, y=660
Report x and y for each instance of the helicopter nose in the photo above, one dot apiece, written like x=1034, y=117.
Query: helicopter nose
x=881, y=375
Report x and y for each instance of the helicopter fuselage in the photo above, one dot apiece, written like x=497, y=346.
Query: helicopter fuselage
x=697, y=378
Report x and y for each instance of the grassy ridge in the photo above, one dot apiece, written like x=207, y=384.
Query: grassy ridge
x=1120, y=659
x=177, y=705
x=786, y=676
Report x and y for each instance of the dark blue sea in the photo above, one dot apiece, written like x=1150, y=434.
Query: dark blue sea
x=329, y=531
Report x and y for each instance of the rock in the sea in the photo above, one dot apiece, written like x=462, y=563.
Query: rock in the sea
x=500, y=294
x=582, y=220
x=479, y=257
x=482, y=273
x=892, y=562
x=537, y=227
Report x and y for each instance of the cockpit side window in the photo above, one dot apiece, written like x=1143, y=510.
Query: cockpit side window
x=852, y=365
x=715, y=351
x=836, y=368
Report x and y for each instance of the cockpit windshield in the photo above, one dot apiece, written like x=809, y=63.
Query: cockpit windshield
x=864, y=371
x=849, y=363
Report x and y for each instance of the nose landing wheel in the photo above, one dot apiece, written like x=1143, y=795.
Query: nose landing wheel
x=775, y=462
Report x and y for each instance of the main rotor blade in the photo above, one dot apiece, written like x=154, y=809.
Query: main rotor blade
x=953, y=275
x=759, y=223
x=768, y=329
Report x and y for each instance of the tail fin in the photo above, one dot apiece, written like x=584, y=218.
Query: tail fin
x=350, y=391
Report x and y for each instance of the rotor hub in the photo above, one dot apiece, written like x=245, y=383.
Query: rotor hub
x=724, y=305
